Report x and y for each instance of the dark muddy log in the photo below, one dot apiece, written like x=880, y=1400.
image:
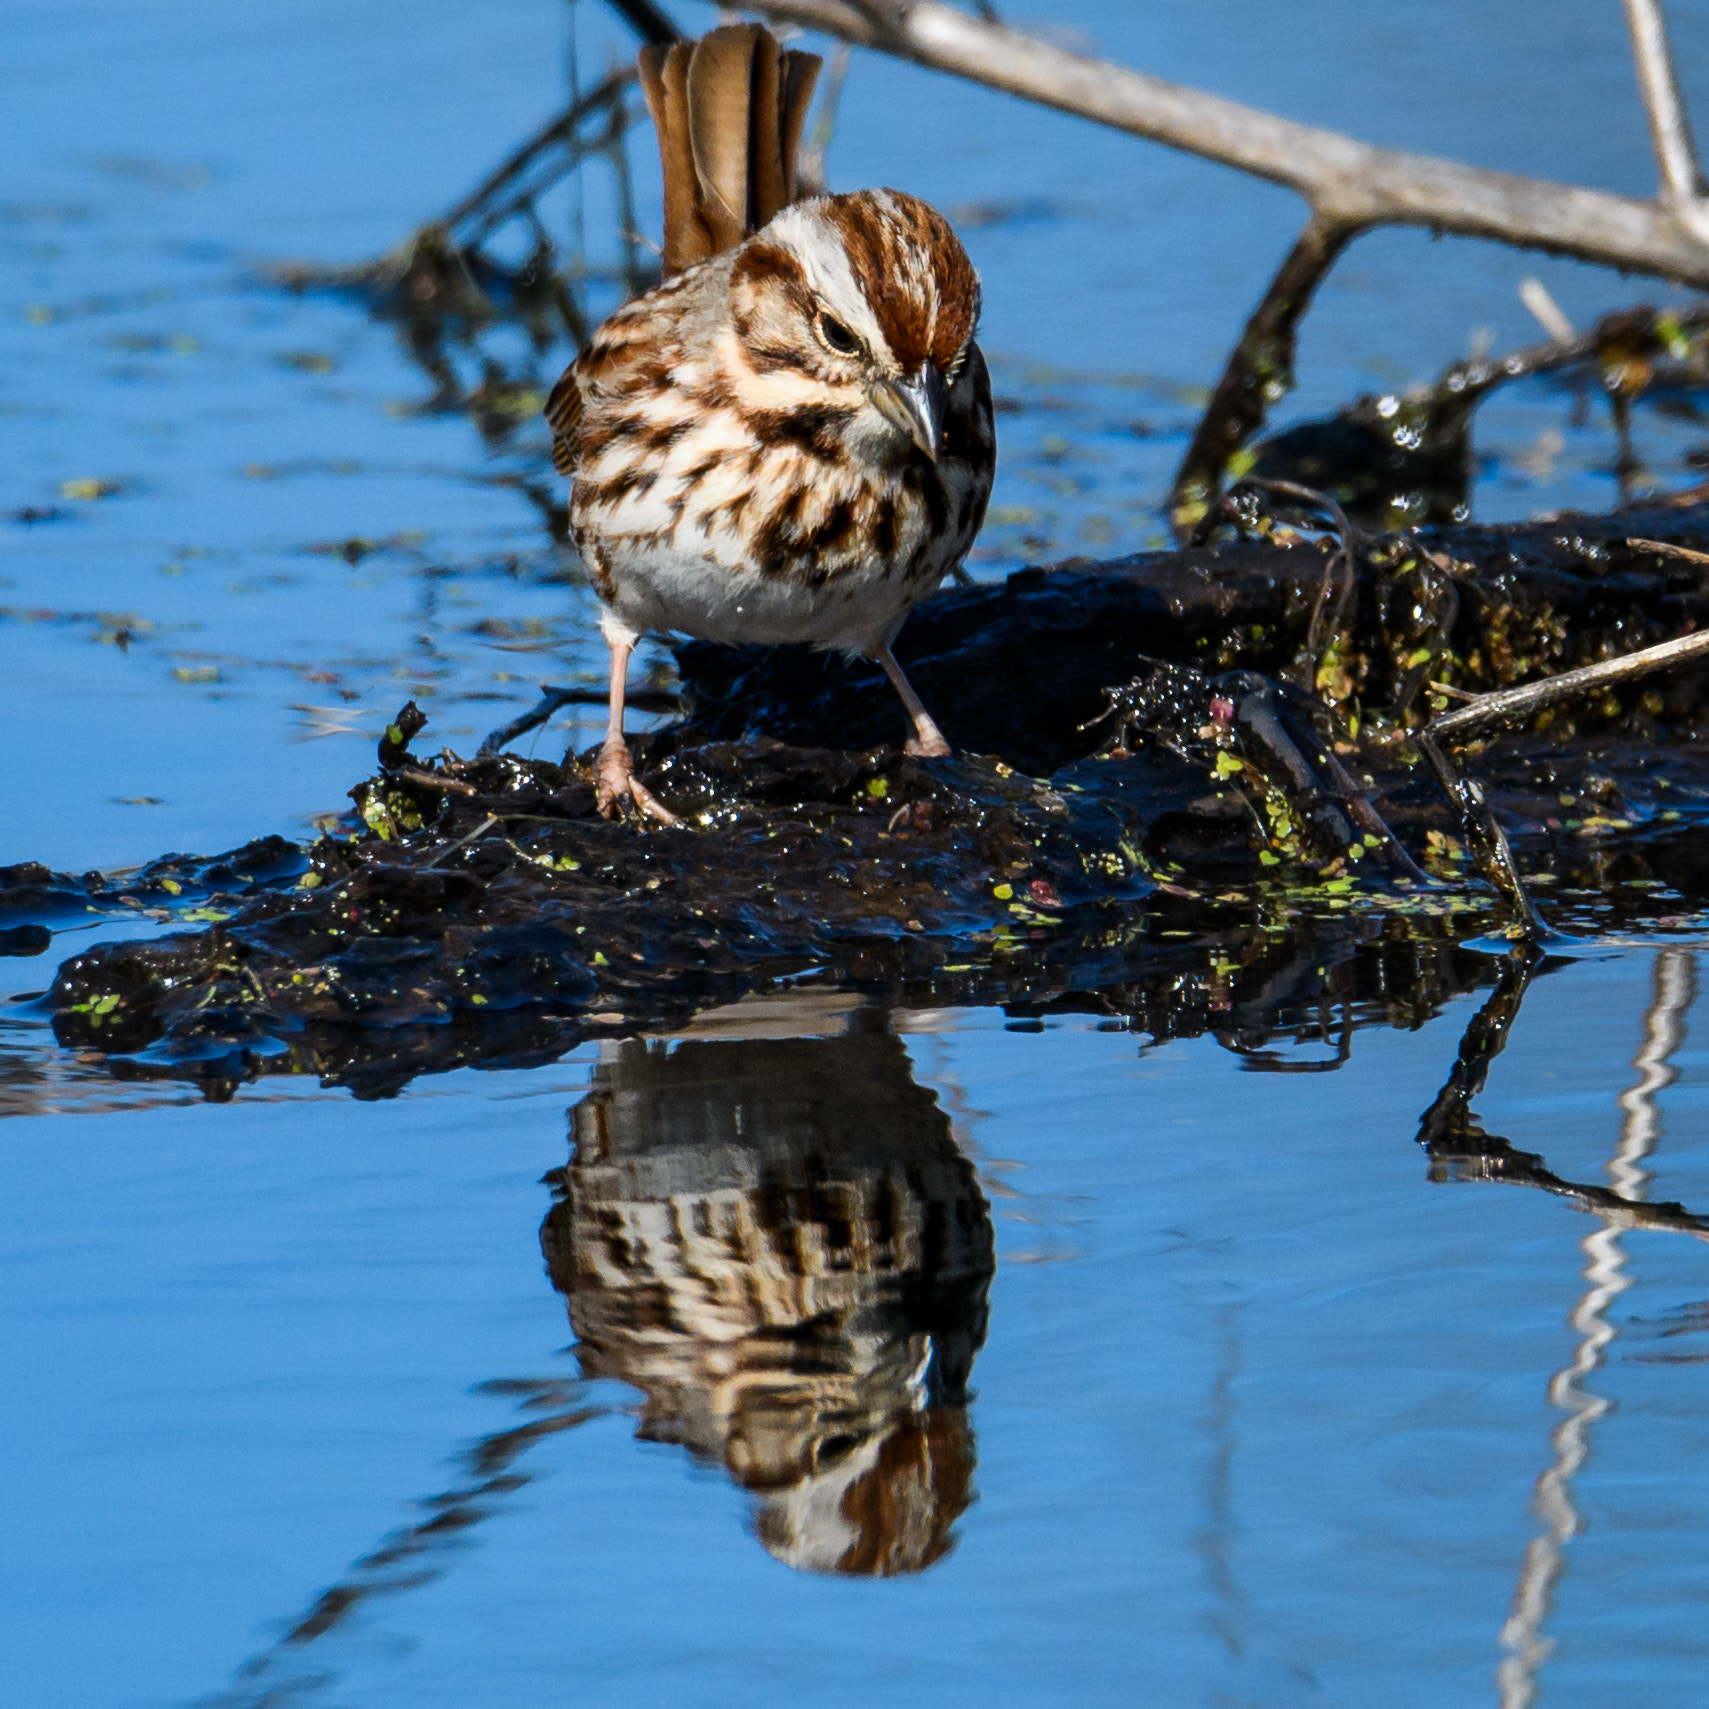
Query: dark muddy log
x=1143, y=822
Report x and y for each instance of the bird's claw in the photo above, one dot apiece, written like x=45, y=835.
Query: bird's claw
x=618, y=783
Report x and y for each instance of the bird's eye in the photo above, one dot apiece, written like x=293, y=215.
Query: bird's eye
x=836, y=337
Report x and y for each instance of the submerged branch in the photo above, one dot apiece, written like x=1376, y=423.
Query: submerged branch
x=1487, y=841
x=1260, y=370
x=1402, y=459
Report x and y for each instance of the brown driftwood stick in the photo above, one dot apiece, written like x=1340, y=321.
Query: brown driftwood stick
x=535, y=165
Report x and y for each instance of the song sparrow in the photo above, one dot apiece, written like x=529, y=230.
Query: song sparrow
x=790, y=439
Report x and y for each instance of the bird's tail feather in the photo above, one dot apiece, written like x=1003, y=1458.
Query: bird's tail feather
x=729, y=110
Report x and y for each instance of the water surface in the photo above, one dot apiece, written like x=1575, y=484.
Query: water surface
x=848, y=1355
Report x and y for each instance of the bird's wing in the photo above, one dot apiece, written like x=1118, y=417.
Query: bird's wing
x=564, y=417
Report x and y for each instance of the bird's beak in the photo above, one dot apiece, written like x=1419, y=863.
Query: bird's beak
x=915, y=406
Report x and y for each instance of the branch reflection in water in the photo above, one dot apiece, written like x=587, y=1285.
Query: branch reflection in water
x=1523, y=1639
x=768, y=1229
x=1460, y=1150
x=778, y=1242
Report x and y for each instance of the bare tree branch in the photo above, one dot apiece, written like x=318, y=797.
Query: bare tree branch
x=1682, y=185
x=647, y=21
x=533, y=167
x=1350, y=182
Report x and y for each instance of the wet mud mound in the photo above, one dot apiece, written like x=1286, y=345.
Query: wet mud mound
x=509, y=923
x=1147, y=822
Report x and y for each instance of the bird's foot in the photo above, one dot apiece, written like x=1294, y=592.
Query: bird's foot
x=618, y=783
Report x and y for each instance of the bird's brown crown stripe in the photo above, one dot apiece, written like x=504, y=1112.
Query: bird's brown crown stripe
x=887, y=249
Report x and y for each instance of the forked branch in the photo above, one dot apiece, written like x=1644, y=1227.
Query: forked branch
x=1350, y=182
x=1351, y=186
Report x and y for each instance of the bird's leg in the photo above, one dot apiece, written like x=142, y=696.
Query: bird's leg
x=927, y=742
x=617, y=778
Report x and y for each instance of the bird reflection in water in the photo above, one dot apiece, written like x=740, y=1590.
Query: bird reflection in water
x=778, y=1242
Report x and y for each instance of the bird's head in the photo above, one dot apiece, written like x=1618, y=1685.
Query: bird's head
x=861, y=307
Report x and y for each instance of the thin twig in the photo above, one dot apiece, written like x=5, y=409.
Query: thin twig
x=1549, y=314
x=810, y=168
x=1682, y=185
x=617, y=152
x=1486, y=711
x=530, y=169
x=641, y=699
x=462, y=842
x=1669, y=551
x=1509, y=705
x=550, y=700
x=1444, y=612
x=1485, y=838
x=432, y=780
x=1343, y=554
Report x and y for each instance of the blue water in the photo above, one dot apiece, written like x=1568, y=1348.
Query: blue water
x=1260, y=1415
